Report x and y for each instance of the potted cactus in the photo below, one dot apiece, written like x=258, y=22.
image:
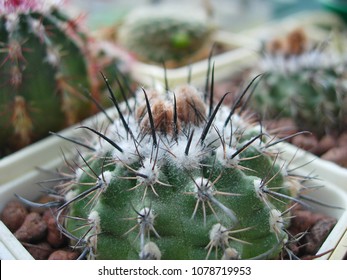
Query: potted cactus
x=304, y=82
x=163, y=34
x=176, y=177
x=172, y=174
x=162, y=38
x=304, y=88
x=47, y=63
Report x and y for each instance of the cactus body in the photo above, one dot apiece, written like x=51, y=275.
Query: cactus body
x=43, y=72
x=304, y=83
x=171, y=179
x=161, y=35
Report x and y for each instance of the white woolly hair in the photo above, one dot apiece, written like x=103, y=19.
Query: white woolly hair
x=314, y=59
x=276, y=221
x=195, y=155
x=70, y=195
x=150, y=251
x=257, y=183
x=150, y=170
x=94, y=217
x=107, y=176
x=225, y=154
x=218, y=235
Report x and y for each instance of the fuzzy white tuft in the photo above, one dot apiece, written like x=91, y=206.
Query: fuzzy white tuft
x=226, y=156
x=94, y=217
x=129, y=155
x=53, y=56
x=230, y=254
x=12, y=23
x=195, y=155
x=78, y=174
x=150, y=171
x=70, y=195
x=92, y=236
x=203, y=188
x=150, y=252
x=259, y=186
x=276, y=221
x=107, y=176
x=218, y=235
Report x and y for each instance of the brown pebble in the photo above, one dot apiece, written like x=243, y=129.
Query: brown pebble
x=337, y=155
x=13, y=215
x=294, y=247
x=342, y=140
x=33, y=228
x=325, y=144
x=303, y=220
x=54, y=237
x=64, y=255
x=307, y=142
x=39, y=251
x=318, y=234
x=283, y=127
x=42, y=200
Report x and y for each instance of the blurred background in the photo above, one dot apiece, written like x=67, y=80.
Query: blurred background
x=231, y=15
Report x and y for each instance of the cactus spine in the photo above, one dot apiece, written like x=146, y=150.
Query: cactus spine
x=304, y=82
x=173, y=178
x=43, y=72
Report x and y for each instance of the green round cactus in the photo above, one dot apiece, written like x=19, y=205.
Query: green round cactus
x=307, y=84
x=162, y=35
x=44, y=70
x=173, y=178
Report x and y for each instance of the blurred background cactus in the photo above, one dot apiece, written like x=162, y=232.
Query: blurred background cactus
x=166, y=34
x=304, y=80
x=47, y=61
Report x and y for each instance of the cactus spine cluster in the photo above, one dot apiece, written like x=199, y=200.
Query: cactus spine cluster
x=174, y=178
x=162, y=35
x=304, y=82
x=44, y=69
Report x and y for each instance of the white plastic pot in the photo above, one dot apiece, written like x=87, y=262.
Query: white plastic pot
x=333, y=178
x=240, y=52
x=47, y=154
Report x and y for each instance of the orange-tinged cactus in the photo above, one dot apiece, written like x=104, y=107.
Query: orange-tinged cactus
x=21, y=121
x=48, y=62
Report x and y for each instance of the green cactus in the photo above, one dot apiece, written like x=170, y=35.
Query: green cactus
x=162, y=35
x=173, y=178
x=307, y=84
x=44, y=69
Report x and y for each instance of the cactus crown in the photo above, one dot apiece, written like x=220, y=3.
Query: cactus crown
x=303, y=81
x=173, y=178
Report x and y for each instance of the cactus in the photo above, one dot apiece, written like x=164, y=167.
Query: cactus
x=45, y=65
x=173, y=178
x=304, y=82
x=163, y=35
